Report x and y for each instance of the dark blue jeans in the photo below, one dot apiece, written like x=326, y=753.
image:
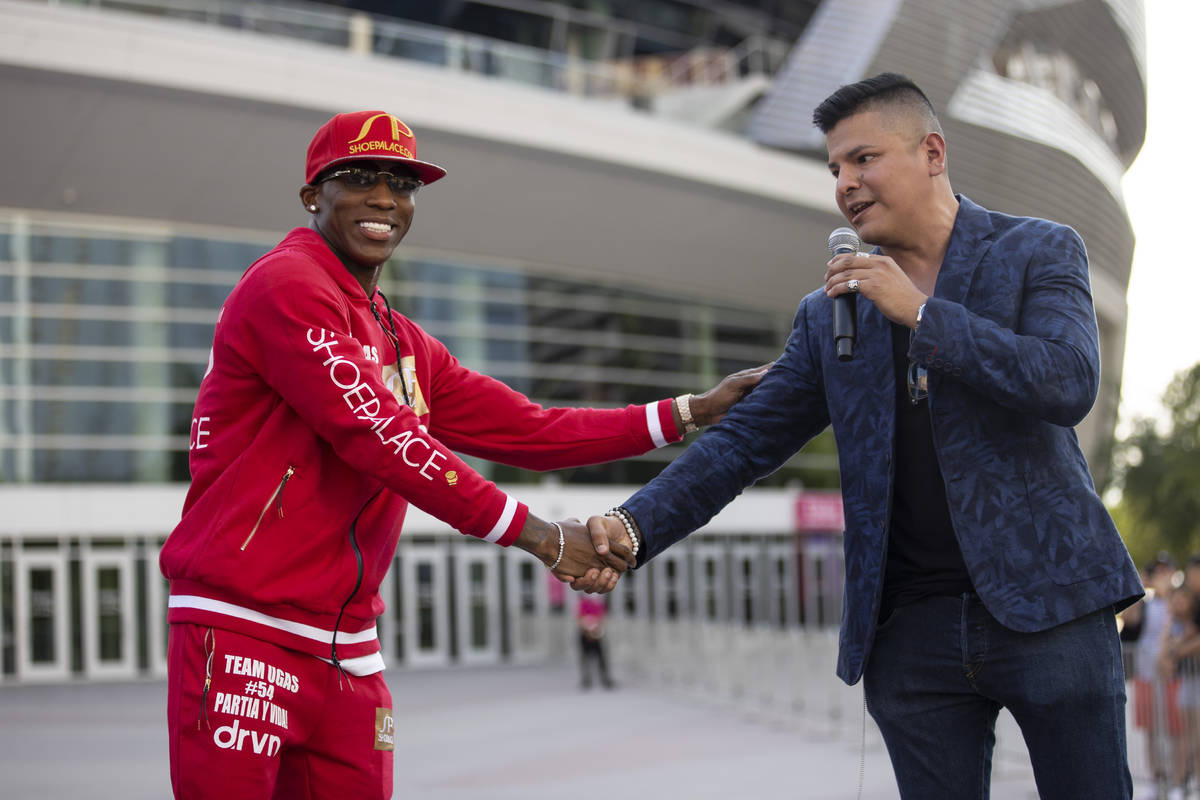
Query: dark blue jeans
x=941, y=669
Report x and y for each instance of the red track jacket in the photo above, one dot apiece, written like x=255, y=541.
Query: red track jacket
x=304, y=456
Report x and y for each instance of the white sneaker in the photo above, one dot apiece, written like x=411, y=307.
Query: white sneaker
x=1176, y=793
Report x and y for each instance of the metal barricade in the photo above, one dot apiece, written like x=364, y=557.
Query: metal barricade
x=1163, y=716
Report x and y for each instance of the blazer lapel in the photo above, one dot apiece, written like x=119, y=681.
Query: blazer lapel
x=967, y=248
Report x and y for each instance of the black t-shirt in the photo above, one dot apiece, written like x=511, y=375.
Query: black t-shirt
x=923, y=557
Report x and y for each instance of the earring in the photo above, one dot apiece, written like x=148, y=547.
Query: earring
x=312, y=208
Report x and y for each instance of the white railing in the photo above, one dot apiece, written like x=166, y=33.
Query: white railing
x=755, y=55
x=782, y=676
x=81, y=596
x=728, y=616
x=95, y=608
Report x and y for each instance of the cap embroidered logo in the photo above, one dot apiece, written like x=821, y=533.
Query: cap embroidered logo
x=398, y=129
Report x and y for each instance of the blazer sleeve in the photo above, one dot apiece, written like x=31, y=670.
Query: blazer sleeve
x=756, y=437
x=1048, y=365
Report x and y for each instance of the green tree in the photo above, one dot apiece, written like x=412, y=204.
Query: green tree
x=1158, y=473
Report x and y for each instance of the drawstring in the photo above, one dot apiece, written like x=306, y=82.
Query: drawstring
x=342, y=674
x=395, y=339
x=210, y=645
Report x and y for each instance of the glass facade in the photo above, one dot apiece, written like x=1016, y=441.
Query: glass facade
x=105, y=331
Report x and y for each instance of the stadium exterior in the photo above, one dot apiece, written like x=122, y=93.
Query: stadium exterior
x=603, y=237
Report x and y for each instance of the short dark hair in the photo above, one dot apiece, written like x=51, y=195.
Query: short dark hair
x=890, y=88
x=1162, y=559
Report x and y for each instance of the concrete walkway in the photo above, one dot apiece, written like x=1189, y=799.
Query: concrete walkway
x=507, y=733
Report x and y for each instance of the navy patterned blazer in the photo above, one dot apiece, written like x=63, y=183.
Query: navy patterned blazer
x=1009, y=338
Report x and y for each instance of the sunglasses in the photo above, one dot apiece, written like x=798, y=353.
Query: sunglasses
x=365, y=178
x=918, y=380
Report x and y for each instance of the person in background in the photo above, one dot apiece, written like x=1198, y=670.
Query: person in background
x=1191, y=573
x=1179, y=660
x=1155, y=709
x=1130, y=622
x=591, y=614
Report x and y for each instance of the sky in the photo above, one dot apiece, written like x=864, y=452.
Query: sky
x=1163, y=327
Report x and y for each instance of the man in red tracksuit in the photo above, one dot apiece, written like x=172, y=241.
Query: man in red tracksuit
x=322, y=414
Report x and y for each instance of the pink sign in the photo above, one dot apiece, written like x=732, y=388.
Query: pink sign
x=819, y=511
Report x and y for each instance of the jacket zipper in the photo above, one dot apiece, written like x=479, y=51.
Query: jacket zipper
x=357, y=583
x=277, y=499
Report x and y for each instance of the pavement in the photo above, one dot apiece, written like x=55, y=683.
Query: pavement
x=496, y=733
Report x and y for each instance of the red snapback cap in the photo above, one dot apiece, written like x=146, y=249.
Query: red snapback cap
x=370, y=135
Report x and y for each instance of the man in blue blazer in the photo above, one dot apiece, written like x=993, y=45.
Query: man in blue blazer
x=982, y=569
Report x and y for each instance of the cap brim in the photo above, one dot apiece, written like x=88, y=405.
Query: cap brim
x=426, y=172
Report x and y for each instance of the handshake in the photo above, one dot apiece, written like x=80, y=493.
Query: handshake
x=590, y=558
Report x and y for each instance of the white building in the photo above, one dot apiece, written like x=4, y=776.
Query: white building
x=612, y=230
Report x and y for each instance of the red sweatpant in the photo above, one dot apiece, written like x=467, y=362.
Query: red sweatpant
x=272, y=722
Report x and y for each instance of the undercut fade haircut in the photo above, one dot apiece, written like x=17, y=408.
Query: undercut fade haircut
x=886, y=89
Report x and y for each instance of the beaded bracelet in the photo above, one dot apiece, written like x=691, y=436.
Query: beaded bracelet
x=562, y=544
x=630, y=526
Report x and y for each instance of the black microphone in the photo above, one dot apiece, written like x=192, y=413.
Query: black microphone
x=845, y=317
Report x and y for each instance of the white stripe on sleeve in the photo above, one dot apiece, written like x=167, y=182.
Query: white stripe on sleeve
x=655, y=426
x=506, y=518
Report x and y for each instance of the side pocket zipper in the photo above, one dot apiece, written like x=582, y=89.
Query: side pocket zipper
x=209, y=636
x=276, y=498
